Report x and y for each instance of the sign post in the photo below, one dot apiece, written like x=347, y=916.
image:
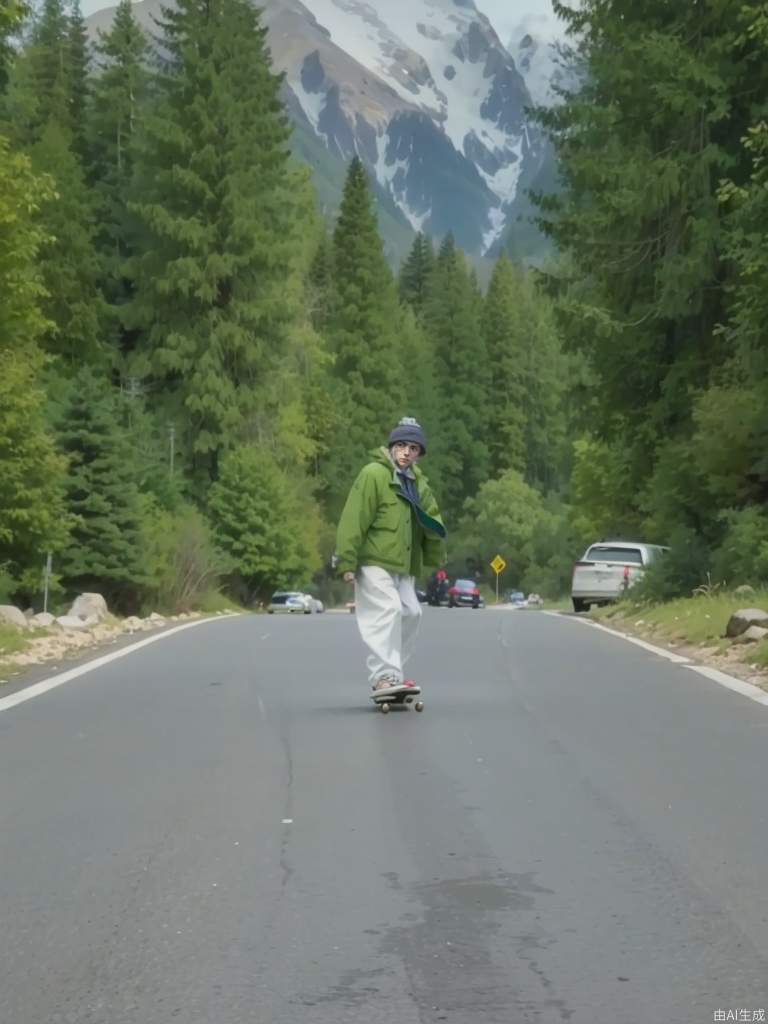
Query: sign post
x=498, y=565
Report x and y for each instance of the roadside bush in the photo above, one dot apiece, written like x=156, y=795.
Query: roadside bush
x=181, y=560
x=743, y=555
x=678, y=573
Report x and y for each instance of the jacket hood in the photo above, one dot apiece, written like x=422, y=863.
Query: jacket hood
x=382, y=455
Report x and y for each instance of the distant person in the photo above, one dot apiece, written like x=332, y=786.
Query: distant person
x=389, y=532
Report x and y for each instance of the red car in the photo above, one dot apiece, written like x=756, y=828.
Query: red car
x=464, y=592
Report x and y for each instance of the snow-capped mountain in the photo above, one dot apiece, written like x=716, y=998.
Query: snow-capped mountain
x=423, y=91
x=534, y=46
x=436, y=110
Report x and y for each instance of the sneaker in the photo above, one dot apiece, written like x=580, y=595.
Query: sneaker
x=386, y=683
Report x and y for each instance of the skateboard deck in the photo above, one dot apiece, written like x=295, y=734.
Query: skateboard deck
x=403, y=696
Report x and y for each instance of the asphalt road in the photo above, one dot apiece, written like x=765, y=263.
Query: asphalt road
x=221, y=828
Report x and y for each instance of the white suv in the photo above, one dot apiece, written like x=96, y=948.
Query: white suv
x=608, y=570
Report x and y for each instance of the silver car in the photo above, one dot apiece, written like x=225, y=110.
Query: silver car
x=608, y=569
x=290, y=601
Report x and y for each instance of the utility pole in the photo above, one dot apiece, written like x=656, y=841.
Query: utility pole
x=46, y=579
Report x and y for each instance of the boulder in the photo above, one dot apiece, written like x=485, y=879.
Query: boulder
x=751, y=635
x=13, y=615
x=42, y=619
x=89, y=606
x=132, y=623
x=741, y=620
x=74, y=622
x=744, y=590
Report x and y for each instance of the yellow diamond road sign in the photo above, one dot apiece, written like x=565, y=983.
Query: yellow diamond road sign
x=498, y=564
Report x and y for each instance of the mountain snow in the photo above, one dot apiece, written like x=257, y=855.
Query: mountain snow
x=423, y=91
x=443, y=59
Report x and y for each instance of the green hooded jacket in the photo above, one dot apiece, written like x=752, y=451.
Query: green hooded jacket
x=379, y=526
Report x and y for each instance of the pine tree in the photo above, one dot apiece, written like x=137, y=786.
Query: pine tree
x=666, y=96
x=415, y=274
x=362, y=331
x=119, y=98
x=214, y=197
x=257, y=523
x=78, y=69
x=104, y=552
x=71, y=268
x=12, y=16
x=46, y=72
x=526, y=418
x=41, y=104
x=463, y=378
x=32, y=519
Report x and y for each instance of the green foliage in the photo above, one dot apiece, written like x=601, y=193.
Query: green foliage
x=215, y=200
x=742, y=555
x=74, y=304
x=526, y=421
x=104, y=552
x=362, y=332
x=32, y=515
x=503, y=519
x=119, y=98
x=256, y=518
x=21, y=289
x=678, y=573
x=182, y=564
x=12, y=15
x=463, y=379
x=415, y=274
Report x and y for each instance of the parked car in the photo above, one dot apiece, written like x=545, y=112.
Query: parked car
x=517, y=598
x=535, y=601
x=290, y=601
x=608, y=569
x=315, y=603
x=464, y=592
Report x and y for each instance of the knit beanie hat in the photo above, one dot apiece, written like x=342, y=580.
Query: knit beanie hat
x=408, y=430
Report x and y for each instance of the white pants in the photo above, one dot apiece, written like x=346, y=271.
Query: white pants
x=388, y=617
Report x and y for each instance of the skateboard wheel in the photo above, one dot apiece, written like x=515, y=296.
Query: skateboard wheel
x=384, y=709
x=419, y=705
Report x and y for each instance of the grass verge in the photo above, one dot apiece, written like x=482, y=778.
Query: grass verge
x=698, y=620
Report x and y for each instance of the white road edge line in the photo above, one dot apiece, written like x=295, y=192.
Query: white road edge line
x=730, y=682
x=37, y=689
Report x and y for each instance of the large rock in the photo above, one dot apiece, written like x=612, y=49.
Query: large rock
x=15, y=616
x=74, y=622
x=741, y=620
x=751, y=635
x=89, y=606
x=42, y=619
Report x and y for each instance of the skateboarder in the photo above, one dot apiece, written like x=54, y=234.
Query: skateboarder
x=389, y=531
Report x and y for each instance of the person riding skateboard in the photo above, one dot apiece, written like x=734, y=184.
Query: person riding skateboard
x=390, y=530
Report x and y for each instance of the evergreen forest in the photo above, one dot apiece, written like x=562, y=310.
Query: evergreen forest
x=195, y=362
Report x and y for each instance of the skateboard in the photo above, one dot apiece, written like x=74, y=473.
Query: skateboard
x=405, y=697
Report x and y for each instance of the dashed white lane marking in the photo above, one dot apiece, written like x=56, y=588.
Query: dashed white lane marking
x=6, y=703
x=722, y=678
